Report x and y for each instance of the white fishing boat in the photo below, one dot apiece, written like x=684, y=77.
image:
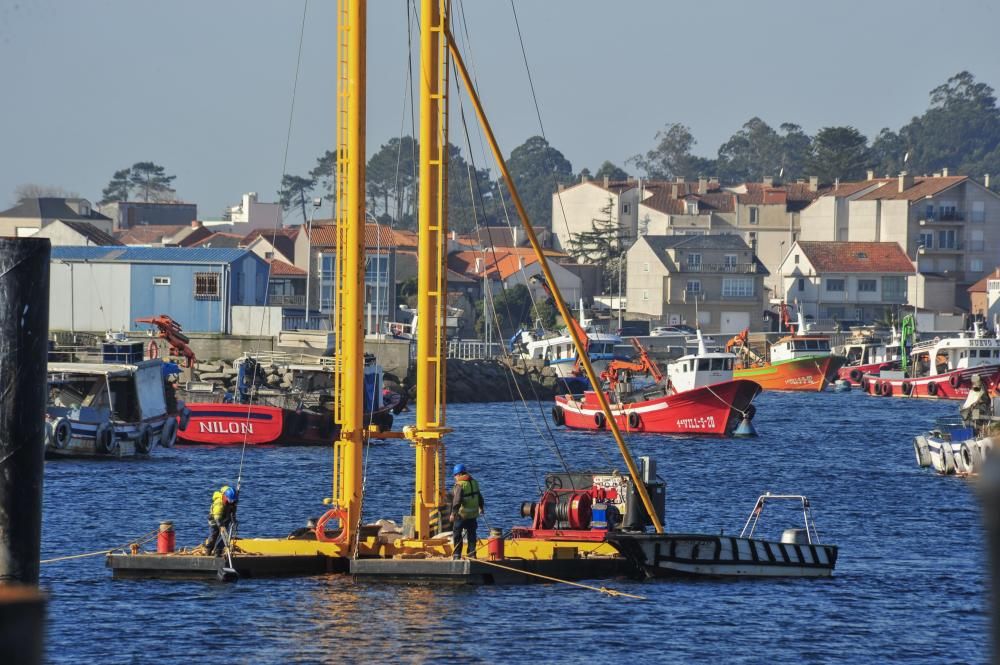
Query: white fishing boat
x=799, y=552
x=107, y=410
x=557, y=351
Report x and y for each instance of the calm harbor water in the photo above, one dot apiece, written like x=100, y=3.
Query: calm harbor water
x=910, y=584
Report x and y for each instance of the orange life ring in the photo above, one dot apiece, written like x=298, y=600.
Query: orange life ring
x=338, y=513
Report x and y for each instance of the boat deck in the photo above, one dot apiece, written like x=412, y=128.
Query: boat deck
x=191, y=566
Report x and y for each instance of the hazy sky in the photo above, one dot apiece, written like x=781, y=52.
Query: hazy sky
x=204, y=88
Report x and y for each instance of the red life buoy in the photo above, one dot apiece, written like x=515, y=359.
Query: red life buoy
x=338, y=513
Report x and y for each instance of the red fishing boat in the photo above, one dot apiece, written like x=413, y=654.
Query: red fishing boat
x=940, y=368
x=868, y=353
x=697, y=396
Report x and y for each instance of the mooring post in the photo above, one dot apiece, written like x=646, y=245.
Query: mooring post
x=24, y=332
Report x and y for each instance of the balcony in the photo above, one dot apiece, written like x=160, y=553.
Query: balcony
x=953, y=249
x=739, y=268
x=944, y=218
x=286, y=300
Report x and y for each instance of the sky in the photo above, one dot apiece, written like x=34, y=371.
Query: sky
x=205, y=88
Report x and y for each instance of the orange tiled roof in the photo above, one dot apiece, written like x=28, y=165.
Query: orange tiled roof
x=923, y=186
x=714, y=201
x=324, y=234
x=878, y=257
x=980, y=286
x=146, y=234
x=281, y=269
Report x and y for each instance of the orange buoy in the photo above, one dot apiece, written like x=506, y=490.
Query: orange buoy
x=166, y=538
x=494, y=545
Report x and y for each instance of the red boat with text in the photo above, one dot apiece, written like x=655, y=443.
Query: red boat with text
x=301, y=415
x=797, y=361
x=697, y=396
x=940, y=368
x=869, y=353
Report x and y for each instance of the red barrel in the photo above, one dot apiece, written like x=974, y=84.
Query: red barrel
x=494, y=545
x=165, y=539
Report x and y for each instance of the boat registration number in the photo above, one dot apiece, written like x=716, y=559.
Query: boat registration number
x=705, y=422
x=800, y=380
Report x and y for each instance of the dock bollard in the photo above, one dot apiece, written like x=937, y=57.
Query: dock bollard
x=166, y=538
x=494, y=545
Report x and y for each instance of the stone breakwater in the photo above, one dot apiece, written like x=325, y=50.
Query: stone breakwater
x=496, y=381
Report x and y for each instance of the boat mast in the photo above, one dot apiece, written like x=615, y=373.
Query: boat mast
x=350, y=216
x=427, y=434
x=578, y=339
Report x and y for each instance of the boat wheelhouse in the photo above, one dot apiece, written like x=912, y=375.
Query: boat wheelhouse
x=941, y=368
x=107, y=410
x=868, y=353
x=558, y=352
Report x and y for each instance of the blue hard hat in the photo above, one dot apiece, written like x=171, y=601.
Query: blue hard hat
x=230, y=494
x=459, y=468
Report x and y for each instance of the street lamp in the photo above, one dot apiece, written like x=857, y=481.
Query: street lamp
x=309, y=259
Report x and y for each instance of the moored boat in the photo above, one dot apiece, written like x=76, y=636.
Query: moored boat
x=798, y=361
x=557, y=351
x=107, y=410
x=868, y=353
x=299, y=415
x=697, y=395
x=941, y=368
x=799, y=552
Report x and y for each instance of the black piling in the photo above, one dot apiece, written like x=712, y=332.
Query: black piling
x=24, y=330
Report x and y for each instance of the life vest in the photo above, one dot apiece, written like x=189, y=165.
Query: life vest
x=218, y=503
x=470, y=498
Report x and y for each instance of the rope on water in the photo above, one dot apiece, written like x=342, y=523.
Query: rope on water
x=601, y=589
x=141, y=540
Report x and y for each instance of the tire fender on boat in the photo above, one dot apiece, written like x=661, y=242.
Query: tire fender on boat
x=955, y=380
x=886, y=389
x=864, y=384
x=558, y=417
x=949, y=461
x=970, y=456
x=599, y=419
x=922, y=451
x=985, y=448
x=105, y=439
x=932, y=389
x=59, y=433
x=185, y=417
x=906, y=387
x=168, y=435
x=633, y=420
x=855, y=375
x=144, y=440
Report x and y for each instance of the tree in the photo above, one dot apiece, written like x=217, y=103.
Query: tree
x=512, y=308
x=672, y=155
x=888, y=151
x=152, y=181
x=391, y=176
x=470, y=190
x=30, y=190
x=602, y=245
x=324, y=176
x=757, y=150
x=537, y=170
x=839, y=152
x=118, y=189
x=611, y=172
x=294, y=192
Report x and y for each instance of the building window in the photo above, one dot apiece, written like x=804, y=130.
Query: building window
x=927, y=239
x=694, y=260
x=752, y=241
x=993, y=285
x=693, y=286
x=206, y=286
x=737, y=287
x=929, y=211
x=979, y=211
x=268, y=255
x=947, y=239
x=976, y=265
x=894, y=289
x=645, y=267
x=867, y=285
x=754, y=215
x=626, y=208
x=796, y=259
x=729, y=260
x=161, y=281
x=834, y=284
x=645, y=294
x=802, y=284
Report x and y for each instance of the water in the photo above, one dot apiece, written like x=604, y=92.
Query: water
x=909, y=586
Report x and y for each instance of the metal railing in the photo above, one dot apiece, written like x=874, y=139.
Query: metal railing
x=464, y=349
x=738, y=268
x=282, y=300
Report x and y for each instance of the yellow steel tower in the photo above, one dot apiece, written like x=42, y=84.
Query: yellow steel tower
x=432, y=292
x=350, y=274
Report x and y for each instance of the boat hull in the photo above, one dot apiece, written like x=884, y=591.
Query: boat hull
x=715, y=409
x=808, y=374
x=854, y=373
x=952, y=385
x=699, y=555
x=236, y=424
x=82, y=440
